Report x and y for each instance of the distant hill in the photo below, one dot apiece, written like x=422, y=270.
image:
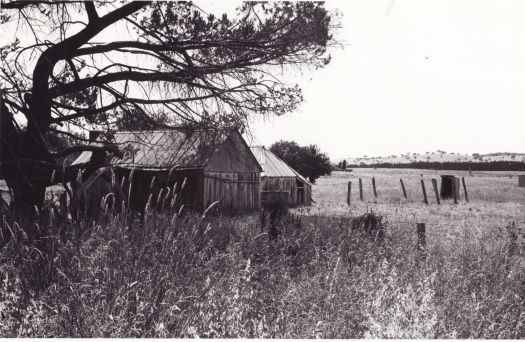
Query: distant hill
x=438, y=157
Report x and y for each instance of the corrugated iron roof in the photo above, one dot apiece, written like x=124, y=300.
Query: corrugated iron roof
x=274, y=166
x=184, y=148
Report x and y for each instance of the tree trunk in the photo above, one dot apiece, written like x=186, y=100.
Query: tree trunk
x=26, y=196
x=22, y=159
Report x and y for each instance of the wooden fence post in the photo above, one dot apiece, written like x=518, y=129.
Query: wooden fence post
x=360, y=189
x=421, y=243
x=465, y=188
x=374, y=186
x=348, y=195
x=512, y=244
x=435, y=185
x=424, y=191
x=421, y=236
x=403, y=187
x=454, y=191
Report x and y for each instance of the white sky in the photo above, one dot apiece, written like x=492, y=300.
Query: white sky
x=416, y=76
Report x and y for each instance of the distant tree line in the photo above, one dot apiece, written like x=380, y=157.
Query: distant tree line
x=459, y=166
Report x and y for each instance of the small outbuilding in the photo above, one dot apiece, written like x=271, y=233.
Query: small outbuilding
x=449, y=186
x=200, y=166
x=279, y=181
x=521, y=181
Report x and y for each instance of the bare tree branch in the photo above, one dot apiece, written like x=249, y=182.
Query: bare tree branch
x=91, y=12
x=85, y=113
x=81, y=148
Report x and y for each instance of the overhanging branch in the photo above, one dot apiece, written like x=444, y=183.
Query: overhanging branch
x=175, y=77
x=84, y=113
x=81, y=148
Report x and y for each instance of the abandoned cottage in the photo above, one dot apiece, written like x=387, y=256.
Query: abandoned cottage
x=213, y=166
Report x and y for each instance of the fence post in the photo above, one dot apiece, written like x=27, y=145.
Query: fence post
x=454, y=190
x=512, y=243
x=360, y=189
x=403, y=187
x=374, y=186
x=421, y=242
x=435, y=185
x=465, y=188
x=421, y=236
x=424, y=191
x=348, y=195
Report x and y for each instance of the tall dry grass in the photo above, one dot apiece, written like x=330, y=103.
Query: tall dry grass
x=217, y=276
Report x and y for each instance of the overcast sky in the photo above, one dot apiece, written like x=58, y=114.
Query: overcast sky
x=416, y=76
x=413, y=76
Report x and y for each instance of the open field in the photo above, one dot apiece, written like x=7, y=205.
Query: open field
x=333, y=272
x=494, y=198
x=483, y=188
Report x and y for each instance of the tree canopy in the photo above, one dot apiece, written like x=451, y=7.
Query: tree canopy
x=74, y=66
x=309, y=161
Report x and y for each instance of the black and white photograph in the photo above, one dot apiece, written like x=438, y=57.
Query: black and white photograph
x=340, y=169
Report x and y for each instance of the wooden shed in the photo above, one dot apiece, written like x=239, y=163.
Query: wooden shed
x=212, y=165
x=449, y=186
x=521, y=181
x=279, y=181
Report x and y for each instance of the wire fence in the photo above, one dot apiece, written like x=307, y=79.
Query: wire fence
x=508, y=226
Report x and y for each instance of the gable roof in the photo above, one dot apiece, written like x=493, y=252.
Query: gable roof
x=163, y=150
x=274, y=166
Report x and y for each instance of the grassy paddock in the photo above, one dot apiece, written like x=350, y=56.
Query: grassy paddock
x=332, y=272
x=495, y=198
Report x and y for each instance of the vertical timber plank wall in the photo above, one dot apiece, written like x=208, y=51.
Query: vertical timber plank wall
x=234, y=174
x=272, y=189
x=235, y=191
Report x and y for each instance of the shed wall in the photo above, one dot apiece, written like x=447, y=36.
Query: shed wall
x=279, y=188
x=235, y=191
x=306, y=197
x=190, y=196
x=232, y=176
x=291, y=189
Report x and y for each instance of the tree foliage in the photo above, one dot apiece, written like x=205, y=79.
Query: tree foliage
x=309, y=161
x=65, y=72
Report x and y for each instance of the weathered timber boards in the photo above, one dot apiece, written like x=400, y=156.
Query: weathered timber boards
x=230, y=181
